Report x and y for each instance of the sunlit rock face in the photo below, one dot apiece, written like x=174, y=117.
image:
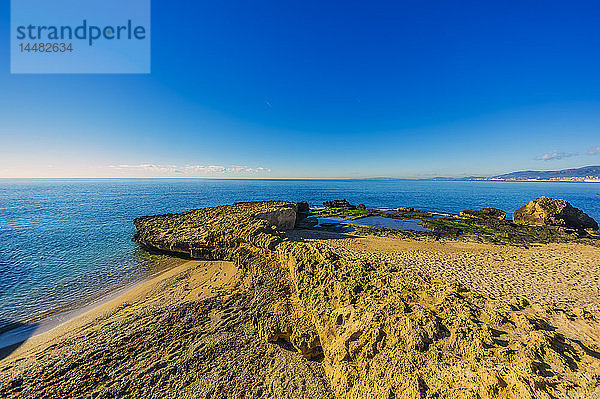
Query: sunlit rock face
x=546, y=211
x=201, y=233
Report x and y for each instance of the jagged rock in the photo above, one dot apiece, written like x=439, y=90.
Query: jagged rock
x=303, y=207
x=389, y=333
x=361, y=207
x=546, y=211
x=338, y=204
x=483, y=213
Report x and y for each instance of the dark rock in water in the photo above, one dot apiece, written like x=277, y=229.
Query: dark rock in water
x=303, y=213
x=303, y=207
x=361, y=207
x=546, y=211
x=338, y=204
x=483, y=213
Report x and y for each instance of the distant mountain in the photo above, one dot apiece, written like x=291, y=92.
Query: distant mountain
x=585, y=173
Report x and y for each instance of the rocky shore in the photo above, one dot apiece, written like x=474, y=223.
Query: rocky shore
x=541, y=221
x=344, y=321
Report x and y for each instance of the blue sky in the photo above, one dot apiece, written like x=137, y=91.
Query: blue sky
x=306, y=89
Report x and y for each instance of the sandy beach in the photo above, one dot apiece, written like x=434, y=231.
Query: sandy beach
x=181, y=334
x=136, y=343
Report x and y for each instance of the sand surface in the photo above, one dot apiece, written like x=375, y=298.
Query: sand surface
x=184, y=333
x=565, y=274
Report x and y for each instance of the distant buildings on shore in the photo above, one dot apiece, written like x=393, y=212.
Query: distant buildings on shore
x=587, y=174
x=585, y=179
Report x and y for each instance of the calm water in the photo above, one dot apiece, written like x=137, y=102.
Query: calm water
x=62, y=241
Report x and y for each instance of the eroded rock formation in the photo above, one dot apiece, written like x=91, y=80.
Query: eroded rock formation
x=546, y=211
x=206, y=233
x=383, y=332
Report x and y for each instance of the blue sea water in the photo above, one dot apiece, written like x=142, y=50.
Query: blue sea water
x=62, y=241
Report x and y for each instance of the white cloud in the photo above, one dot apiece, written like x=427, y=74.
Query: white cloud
x=594, y=151
x=194, y=170
x=554, y=155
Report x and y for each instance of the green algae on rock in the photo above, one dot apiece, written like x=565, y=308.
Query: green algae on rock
x=199, y=233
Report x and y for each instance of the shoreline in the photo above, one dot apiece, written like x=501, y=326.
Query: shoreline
x=189, y=330
x=23, y=333
x=38, y=325
x=68, y=321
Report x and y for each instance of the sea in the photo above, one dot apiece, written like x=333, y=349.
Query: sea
x=66, y=242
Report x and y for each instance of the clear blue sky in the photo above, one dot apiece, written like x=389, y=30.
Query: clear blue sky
x=308, y=89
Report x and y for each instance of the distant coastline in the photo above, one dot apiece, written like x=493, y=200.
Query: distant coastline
x=586, y=174
x=494, y=179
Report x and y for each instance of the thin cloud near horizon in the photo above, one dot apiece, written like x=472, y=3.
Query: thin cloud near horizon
x=192, y=169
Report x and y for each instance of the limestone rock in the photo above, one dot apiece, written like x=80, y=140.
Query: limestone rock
x=483, y=213
x=546, y=211
x=210, y=232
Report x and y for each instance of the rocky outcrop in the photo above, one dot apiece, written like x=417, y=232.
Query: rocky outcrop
x=343, y=204
x=244, y=233
x=207, y=233
x=483, y=213
x=383, y=332
x=389, y=333
x=546, y=211
x=338, y=204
